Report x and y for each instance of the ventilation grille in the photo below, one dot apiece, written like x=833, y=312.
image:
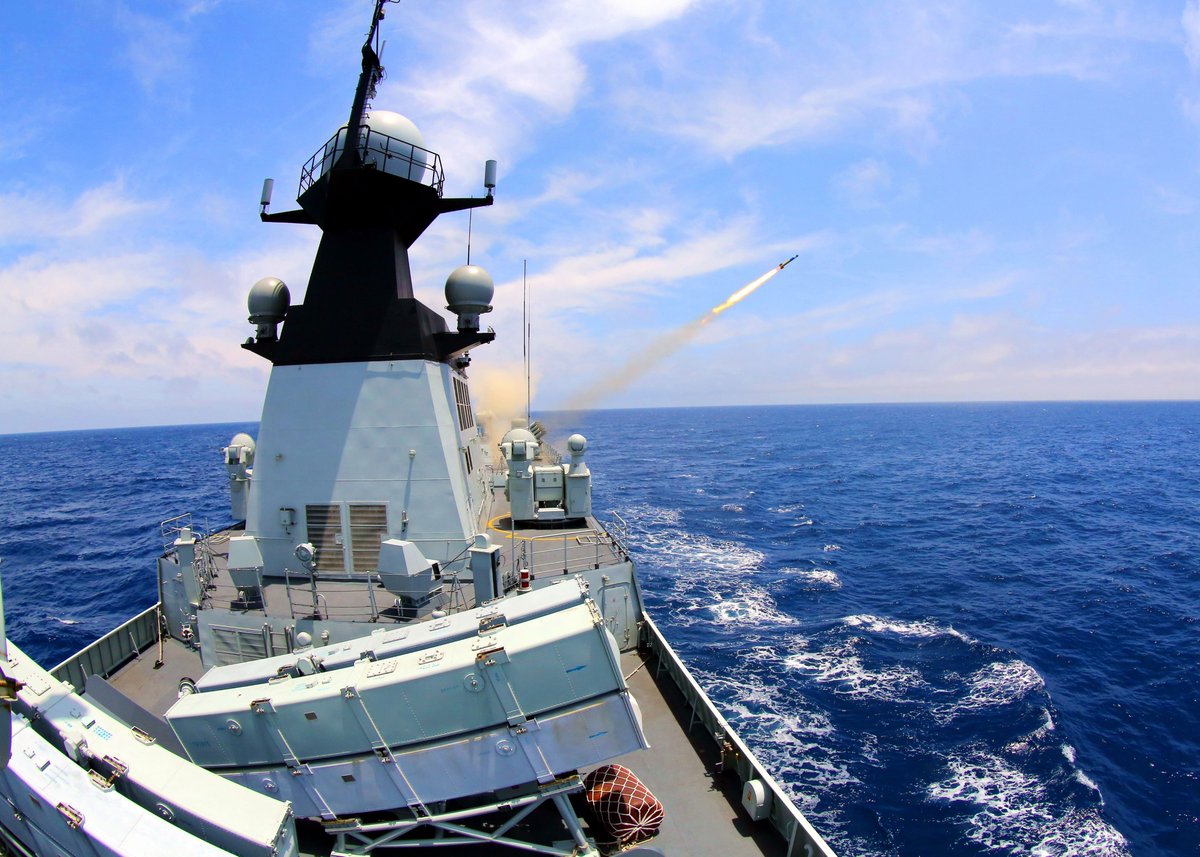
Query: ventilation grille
x=235, y=645
x=462, y=398
x=325, y=534
x=368, y=527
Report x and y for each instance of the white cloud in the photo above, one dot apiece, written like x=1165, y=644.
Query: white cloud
x=27, y=216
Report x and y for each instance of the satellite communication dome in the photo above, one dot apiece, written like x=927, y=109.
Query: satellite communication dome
x=469, y=290
x=268, y=303
x=388, y=142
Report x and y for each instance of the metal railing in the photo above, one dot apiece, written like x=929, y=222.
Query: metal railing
x=801, y=837
x=115, y=648
x=567, y=553
x=380, y=151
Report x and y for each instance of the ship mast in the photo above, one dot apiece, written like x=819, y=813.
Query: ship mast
x=368, y=79
x=373, y=189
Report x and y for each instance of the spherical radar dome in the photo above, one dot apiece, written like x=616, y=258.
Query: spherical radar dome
x=469, y=288
x=269, y=300
x=393, y=145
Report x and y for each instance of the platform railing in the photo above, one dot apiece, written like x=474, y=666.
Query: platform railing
x=381, y=151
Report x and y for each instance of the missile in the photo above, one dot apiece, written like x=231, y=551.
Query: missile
x=783, y=265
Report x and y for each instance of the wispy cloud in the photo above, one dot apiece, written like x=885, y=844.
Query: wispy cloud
x=29, y=216
x=1190, y=23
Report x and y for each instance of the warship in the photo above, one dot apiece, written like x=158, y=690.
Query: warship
x=416, y=635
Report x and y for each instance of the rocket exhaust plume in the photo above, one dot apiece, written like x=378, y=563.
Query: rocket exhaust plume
x=661, y=348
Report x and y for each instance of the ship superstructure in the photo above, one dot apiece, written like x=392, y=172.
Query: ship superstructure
x=416, y=634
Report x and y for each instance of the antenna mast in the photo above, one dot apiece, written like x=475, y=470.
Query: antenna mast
x=372, y=73
x=527, y=338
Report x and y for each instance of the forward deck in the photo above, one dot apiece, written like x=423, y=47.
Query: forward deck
x=697, y=766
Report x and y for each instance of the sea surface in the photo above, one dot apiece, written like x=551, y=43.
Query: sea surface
x=947, y=629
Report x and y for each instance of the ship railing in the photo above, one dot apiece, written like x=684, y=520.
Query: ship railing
x=171, y=528
x=205, y=563
x=563, y=553
x=306, y=600
x=117, y=647
x=618, y=531
x=380, y=151
x=735, y=757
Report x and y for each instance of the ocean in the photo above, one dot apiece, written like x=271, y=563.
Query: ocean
x=947, y=629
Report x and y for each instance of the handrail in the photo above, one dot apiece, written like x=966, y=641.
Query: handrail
x=377, y=150
x=801, y=836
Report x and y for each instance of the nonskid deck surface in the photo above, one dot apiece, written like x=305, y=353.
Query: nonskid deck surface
x=680, y=768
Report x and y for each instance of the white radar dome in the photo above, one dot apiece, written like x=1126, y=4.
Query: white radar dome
x=388, y=142
x=469, y=291
x=577, y=444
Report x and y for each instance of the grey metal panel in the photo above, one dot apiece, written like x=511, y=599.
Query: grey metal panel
x=458, y=687
x=391, y=642
x=479, y=764
x=120, y=706
x=131, y=764
x=63, y=812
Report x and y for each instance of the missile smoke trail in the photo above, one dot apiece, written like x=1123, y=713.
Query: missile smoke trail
x=661, y=348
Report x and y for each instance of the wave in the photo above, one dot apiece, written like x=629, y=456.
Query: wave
x=1006, y=810
x=997, y=684
x=815, y=578
x=901, y=628
x=841, y=667
x=747, y=606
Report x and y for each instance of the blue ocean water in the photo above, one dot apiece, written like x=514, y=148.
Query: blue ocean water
x=948, y=629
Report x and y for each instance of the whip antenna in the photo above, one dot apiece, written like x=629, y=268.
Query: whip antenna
x=526, y=340
x=470, y=220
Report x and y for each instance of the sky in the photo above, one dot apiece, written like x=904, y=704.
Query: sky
x=990, y=201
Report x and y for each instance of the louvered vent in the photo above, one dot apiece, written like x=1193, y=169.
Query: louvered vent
x=368, y=527
x=325, y=534
x=235, y=645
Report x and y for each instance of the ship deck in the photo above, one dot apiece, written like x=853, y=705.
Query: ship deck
x=682, y=767
x=548, y=552
x=694, y=765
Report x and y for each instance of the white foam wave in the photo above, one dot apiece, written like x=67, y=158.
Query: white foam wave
x=1015, y=814
x=999, y=683
x=793, y=740
x=900, y=628
x=732, y=507
x=831, y=548
x=842, y=668
x=787, y=510
x=63, y=621
x=825, y=578
x=749, y=605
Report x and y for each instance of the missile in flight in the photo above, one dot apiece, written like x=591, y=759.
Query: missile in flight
x=783, y=265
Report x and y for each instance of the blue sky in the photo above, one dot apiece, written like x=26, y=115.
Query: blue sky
x=991, y=201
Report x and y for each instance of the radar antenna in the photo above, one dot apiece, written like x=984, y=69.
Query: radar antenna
x=368, y=79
